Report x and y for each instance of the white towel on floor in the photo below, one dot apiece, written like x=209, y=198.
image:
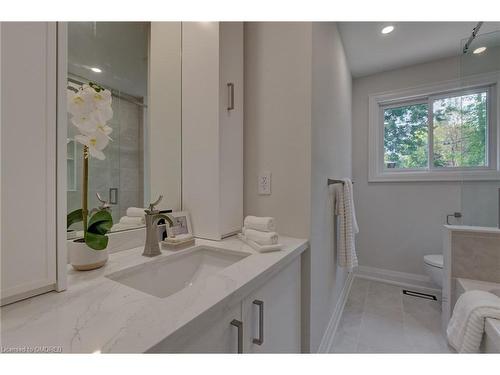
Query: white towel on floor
x=466, y=327
x=264, y=224
x=135, y=212
x=344, y=208
x=261, y=238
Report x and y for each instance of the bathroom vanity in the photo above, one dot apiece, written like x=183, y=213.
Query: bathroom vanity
x=217, y=296
x=172, y=136
x=177, y=131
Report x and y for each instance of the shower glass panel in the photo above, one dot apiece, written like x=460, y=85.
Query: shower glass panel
x=115, y=56
x=480, y=199
x=480, y=203
x=483, y=55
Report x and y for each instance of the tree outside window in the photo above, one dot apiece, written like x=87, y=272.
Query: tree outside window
x=459, y=133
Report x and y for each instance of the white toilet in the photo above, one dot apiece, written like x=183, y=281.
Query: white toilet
x=433, y=264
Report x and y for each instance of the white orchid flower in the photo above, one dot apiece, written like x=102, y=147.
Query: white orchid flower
x=96, y=142
x=91, y=109
x=100, y=119
x=79, y=103
x=105, y=129
x=102, y=99
x=103, y=114
x=86, y=123
x=92, y=123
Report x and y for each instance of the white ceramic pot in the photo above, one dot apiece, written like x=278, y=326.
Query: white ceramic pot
x=84, y=258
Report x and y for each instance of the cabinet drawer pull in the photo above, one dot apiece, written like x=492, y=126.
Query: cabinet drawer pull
x=260, y=340
x=239, y=324
x=230, y=96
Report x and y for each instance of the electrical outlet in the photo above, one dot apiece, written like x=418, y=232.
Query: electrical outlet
x=265, y=183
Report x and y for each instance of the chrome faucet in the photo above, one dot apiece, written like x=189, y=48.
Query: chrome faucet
x=103, y=206
x=151, y=217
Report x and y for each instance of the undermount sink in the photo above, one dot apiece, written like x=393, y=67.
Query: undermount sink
x=165, y=276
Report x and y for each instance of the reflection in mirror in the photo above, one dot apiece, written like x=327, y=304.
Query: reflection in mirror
x=121, y=57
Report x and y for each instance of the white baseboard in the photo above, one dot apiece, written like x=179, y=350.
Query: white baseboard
x=408, y=280
x=327, y=340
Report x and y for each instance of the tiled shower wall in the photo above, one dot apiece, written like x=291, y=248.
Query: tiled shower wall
x=123, y=167
x=476, y=256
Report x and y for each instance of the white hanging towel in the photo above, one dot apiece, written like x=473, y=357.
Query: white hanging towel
x=466, y=326
x=344, y=208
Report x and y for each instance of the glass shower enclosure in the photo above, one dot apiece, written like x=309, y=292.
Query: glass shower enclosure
x=480, y=199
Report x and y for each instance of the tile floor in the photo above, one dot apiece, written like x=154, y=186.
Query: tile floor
x=379, y=318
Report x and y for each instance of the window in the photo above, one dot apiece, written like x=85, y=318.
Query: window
x=460, y=126
x=440, y=135
x=406, y=136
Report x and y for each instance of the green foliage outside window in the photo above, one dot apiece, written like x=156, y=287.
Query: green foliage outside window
x=460, y=133
x=406, y=136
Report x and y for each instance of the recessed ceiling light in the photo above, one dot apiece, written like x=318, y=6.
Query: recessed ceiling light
x=96, y=70
x=387, y=29
x=479, y=50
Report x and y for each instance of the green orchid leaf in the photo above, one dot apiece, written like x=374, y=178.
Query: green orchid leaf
x=102, y=227
x=102, y=219
x=99, y=224
x=96, y=241
x=74, y=217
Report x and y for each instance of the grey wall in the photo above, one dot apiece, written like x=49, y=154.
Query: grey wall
x=331, y=157
x=297, y=125
x=399, y=222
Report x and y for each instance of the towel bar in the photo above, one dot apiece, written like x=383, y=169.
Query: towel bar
x=333, y=181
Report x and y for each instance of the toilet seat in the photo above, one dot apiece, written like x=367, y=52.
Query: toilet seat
x=434, y=260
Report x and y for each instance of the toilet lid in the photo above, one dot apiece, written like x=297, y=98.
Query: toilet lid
x=435, y=260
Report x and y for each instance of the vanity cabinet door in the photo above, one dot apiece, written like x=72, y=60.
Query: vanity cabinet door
x=28, y=158
x=212, y=127
x=271, y=314
x=219, y=336
x=231, y=127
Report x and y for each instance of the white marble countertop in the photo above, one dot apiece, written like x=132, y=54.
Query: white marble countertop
x=99, y=314
x=468, y=228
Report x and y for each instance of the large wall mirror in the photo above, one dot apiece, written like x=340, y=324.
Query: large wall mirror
x=140, y=64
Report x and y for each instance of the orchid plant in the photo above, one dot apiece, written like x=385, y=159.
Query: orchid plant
x=90, y=110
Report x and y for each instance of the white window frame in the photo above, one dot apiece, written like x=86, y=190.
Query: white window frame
x=427, y=94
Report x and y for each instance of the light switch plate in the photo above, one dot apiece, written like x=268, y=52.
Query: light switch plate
x=264, y=183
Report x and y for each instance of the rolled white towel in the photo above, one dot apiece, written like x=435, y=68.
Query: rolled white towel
x=127, y=220
x=263, y=224
x=261, y=238
x=466, y=327
x=135, y=212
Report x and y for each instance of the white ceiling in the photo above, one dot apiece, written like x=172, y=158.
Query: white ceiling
x=368, y=51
